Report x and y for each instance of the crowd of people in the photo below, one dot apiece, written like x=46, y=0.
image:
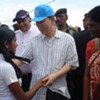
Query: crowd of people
x=50, y=60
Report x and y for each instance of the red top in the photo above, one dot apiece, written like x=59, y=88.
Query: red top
x=90, y=49
x=93, y=59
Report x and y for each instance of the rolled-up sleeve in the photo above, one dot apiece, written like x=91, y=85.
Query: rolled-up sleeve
x=71, y=55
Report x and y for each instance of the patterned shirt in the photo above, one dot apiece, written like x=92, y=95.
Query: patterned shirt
x=49, y=56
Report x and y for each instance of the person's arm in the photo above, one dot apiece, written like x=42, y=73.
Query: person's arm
x=86, y=86
x=20, y=94
x=36, y=87
x=56, y=75
x=17, y=91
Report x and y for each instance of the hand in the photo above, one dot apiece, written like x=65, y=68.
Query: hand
x=49, y=80
x=41, y=82
x=17, y=62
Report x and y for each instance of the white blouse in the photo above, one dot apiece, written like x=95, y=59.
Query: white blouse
x=7, y=77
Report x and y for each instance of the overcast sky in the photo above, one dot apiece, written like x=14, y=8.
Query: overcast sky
x=75, y=8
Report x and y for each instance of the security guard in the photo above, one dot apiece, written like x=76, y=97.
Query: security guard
x=61, y=18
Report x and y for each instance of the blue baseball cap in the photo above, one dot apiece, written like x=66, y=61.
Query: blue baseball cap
x=42, y=12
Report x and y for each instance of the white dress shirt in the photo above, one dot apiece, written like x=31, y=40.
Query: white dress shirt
x=48, y=56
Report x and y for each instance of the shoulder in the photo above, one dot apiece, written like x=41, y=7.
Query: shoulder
x=90, y=49
x=35, y=39
x=7, y=73
x=34, y=30
x=5, y=66
x=83, y=36
x=71, y=28
x=80, y=33
x=91, y=43
x=65, y=37
x=18, y=33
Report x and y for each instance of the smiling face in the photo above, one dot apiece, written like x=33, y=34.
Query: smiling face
x=24, y=24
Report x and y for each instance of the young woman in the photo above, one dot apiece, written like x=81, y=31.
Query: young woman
x=92, y=72
x=9, y=73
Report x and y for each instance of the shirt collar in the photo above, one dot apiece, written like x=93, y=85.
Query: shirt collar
x=57, y=35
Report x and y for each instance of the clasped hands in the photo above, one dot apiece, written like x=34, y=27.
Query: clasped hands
x=48, y=80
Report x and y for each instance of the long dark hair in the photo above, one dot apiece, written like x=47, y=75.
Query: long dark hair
x=6, y=36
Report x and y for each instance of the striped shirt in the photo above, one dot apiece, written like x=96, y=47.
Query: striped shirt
x=48, y=56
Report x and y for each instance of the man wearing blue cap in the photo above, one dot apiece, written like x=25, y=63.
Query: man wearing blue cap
x=54, y=55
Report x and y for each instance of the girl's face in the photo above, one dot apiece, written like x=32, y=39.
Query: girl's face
x=12, y=45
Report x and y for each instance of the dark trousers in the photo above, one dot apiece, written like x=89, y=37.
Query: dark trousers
x=75, y=84
x=71, y=85
x=54, y=96
x=26, y=81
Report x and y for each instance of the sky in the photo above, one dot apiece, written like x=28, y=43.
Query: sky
x=75, y=9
